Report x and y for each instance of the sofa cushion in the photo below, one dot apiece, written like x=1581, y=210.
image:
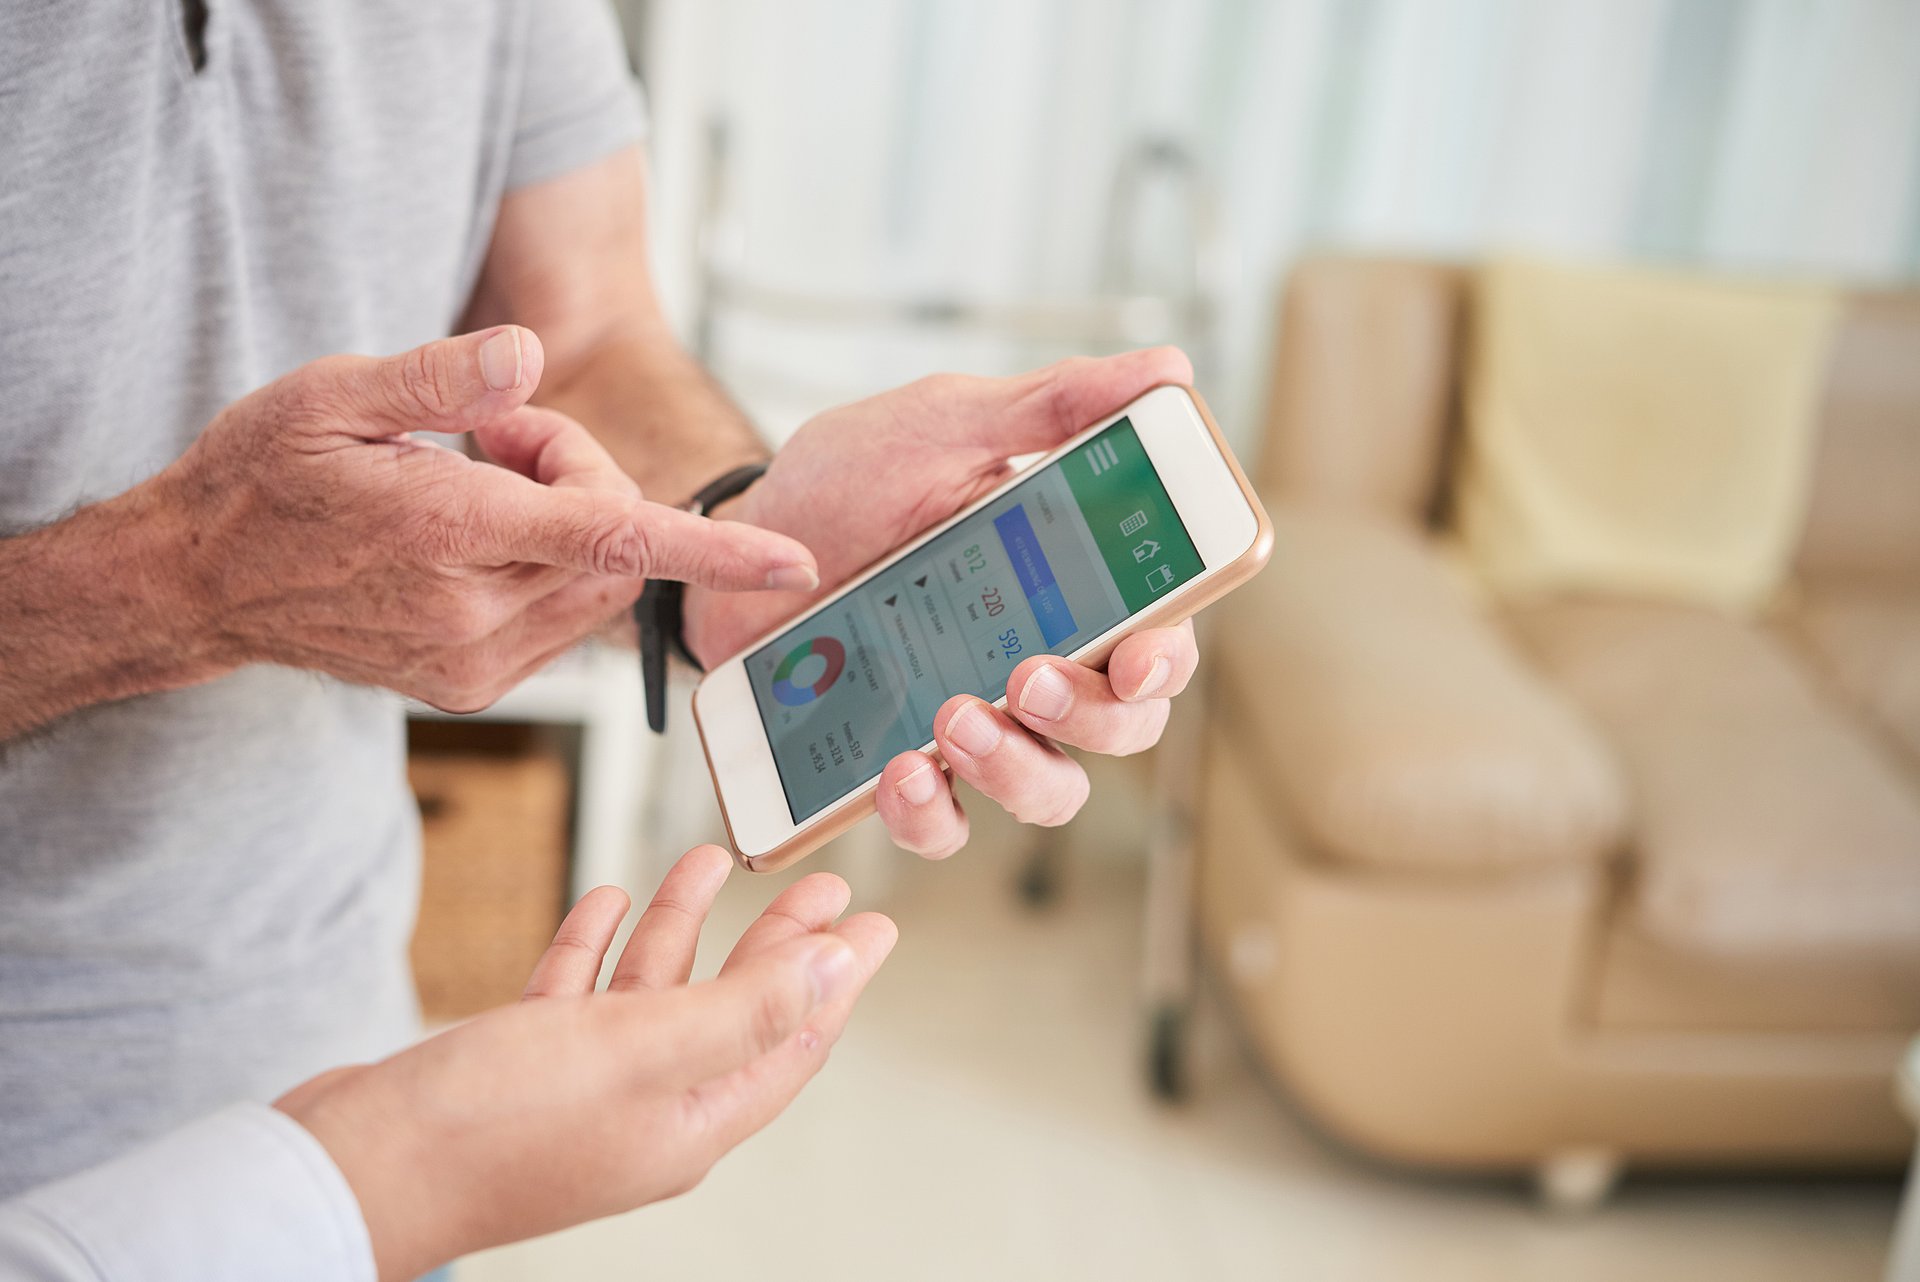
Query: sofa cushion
x=1866, y=638
x=1397, y=726
x=1640, y=432
x=1644, y=984
x=1766, y=817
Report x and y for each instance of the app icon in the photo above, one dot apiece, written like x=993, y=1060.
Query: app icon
x=1134, y=524
x=1146, y=551
x=808, y=671
x=1159, y=577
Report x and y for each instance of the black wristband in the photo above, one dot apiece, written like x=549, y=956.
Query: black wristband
x=658, y=612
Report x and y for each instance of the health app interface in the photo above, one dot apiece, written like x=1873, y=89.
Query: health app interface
x=1043, y=569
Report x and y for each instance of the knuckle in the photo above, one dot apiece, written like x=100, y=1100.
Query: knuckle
x=448, y=533
x=621, y=547
x=666, y=905
x=423, y=382
x=572, y=942
x=941, y=386
x=470, y=680
x=307, y=396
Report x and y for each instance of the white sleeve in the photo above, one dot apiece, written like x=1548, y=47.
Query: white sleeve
x=246, y=1193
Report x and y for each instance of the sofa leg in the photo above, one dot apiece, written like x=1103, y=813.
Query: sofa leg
x=1577, y=1181
x=1167, y=1051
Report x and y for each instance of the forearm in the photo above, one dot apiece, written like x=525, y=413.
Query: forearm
x=661, y=416
x=96, y=608
x=569, y=261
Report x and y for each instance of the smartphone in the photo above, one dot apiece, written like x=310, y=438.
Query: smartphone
x=1136, y=522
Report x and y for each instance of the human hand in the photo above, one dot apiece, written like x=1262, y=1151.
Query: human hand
x=858, y=481
x=572, y=1105
x=325, y=537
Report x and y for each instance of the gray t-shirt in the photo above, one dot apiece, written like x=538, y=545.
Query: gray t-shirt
x=206, y=895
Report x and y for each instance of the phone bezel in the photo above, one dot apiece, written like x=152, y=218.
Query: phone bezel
x=1208, y=492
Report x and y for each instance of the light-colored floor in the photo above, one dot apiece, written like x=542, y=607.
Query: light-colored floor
x=984, y=1118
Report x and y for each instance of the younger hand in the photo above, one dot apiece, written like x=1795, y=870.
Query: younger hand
x=325, y=537
x=572, y=1105
x=857, y=482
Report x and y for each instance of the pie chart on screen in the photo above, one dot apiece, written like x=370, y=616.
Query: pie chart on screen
x=808, y=671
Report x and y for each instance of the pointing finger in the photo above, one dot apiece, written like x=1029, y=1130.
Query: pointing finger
x=510, y=518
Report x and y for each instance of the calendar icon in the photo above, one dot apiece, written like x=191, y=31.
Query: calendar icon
x=1134, y=524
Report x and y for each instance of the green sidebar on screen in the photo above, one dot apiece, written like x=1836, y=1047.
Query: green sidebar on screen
x=1045, y=568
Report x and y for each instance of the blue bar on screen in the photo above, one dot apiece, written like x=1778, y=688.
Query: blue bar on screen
x=1035, y=575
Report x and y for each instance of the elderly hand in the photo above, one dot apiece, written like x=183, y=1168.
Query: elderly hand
x=857, y=482
x=572, y=1105
x=324, y=537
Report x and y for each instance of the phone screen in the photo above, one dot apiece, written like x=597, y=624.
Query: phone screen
x=1043, y=569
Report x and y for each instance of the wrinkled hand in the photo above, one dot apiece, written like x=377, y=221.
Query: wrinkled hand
x=858, y=481
x=325, y=537
x=572, y=1105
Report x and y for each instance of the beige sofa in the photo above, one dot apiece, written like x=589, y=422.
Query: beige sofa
x=1591, y=883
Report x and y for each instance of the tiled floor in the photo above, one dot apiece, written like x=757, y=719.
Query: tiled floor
x=984, y=1119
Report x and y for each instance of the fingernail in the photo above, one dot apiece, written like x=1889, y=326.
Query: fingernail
x=500, y=360
x=1156, y=678
x=793, y=578
x=918, y=787
x=831, y=968
x=1048, y=695
x=974, y=731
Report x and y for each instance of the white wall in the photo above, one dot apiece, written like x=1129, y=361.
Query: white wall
x=964, y=146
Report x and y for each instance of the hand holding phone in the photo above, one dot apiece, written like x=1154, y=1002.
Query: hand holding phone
x=861, y=480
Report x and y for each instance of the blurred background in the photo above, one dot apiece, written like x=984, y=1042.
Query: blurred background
x=1532, y=890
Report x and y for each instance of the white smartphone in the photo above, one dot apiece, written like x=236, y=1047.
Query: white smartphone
x=1136, y=522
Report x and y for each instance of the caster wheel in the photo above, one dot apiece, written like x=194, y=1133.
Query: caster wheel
x=1167, y=1053
x=1576, y=1182
x=1039, y=883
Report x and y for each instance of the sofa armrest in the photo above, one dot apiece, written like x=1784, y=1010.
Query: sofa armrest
x=1400, y=729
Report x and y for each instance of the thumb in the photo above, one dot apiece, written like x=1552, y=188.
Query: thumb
x=452, y=385
x=1038, y=410
x=608, y=533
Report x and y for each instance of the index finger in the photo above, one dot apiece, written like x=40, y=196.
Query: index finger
x=504, y=518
